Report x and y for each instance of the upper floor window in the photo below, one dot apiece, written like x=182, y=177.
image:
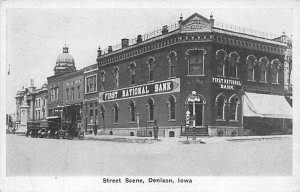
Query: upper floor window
x=275, y=66
x=132, y=68
x=67, y=94
x=221, y=57
x=172, y=113
x=102, y=80
x=91, y=84
x=251, y=62
x=54, y=94
x=78, y=91
x=172, y=58
x=234, y=58
x=132, y=111
x=195, y=59
x=116, y=73
x=151, y=64
x=72, y=93
x=263, y=65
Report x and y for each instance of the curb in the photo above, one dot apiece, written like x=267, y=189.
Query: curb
x=121, y=140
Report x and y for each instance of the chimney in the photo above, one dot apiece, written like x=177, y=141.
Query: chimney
x=212, y=21
x=164, y=30
x=139, y=39
x=31, y=83
x=180, y=22
x=125, y=42
x=110, y=49
x=98, y=55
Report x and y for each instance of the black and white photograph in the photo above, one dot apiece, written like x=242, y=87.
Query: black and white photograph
x=149, y=96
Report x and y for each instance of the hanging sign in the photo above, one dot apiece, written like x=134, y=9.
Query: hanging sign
x=229, y=84
x=161, y=87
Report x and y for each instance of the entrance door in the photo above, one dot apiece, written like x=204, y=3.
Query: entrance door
x=198, y=112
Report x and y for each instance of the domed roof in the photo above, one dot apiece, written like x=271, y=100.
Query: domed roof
x=64, y=62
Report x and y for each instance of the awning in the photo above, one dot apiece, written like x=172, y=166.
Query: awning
x=265, y=105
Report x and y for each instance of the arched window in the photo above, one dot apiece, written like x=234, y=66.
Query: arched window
x=220, y=103
x=150, y=107
x=234, y=58
x=151, y=64
x=221, y=56
x=132, y=111
x=263, y=64
x=102, y=80
x=233, y=111
x=116, y=113
x=132, y=68
x=195, y=59
x=195, y=104
x=171, y=102
x=251, y=62
x=275, y=65
x=172, y=58
x=117, y=75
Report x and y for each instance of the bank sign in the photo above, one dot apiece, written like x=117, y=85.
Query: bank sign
x=161, y=87
x=229, y=84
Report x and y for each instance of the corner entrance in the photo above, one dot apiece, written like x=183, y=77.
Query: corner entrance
x=195, y=104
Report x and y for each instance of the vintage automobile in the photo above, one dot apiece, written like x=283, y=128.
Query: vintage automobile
x=34, y=128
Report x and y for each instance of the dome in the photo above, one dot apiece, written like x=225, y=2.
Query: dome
x=64, y=62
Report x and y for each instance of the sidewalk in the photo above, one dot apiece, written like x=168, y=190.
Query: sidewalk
x=202, y=140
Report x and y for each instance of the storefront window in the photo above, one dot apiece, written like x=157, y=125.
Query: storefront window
x=132, y=111
x=221, y=107
x=220, y=59
x=91, y=113
x=171, y=107
x=116, y=113
x=150, y=105
x=233, y=108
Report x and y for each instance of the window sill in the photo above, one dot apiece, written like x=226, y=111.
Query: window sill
x=150, y=121
x=131, y=122
x=263, y=82
x=172, y=120
x=233, y=121
x=275, y=83
x=250, y=80
x=173, y=77
x=195, y=75
x=116, y=123
x=221, y=120
x=90, y=92
x=233, y=78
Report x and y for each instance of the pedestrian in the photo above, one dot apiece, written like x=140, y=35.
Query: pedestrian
x=95, y=129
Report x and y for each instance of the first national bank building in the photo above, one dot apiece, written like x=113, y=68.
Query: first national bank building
x=228, y=81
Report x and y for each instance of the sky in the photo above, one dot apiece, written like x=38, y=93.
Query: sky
x=35, y=37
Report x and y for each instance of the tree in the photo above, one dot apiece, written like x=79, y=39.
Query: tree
x=9, y=121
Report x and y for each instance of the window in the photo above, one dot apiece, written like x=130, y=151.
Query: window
x=251, y=62
x=234, y=58
x=263, y=64
x=78, y=91
x=44, y=101
x=91, y=113
x=72, y=93
x=234, y=102
x=96, y=113
x=150, y=106
x=39, y=102
x=132, y=68
x=196, y=61
x=54, y=94
x=221, y=56
x=220, y=102
x=172, y=58
x=102, y=113
x=67, y=94
x=116, y=74
x=275, y=64
x=132, y=111
x=91, y=84
x=151, y=64
x=116, y=112
x=172, y=107
x=102, y=80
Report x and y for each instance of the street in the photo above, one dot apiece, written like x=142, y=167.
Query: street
x=169, y=157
